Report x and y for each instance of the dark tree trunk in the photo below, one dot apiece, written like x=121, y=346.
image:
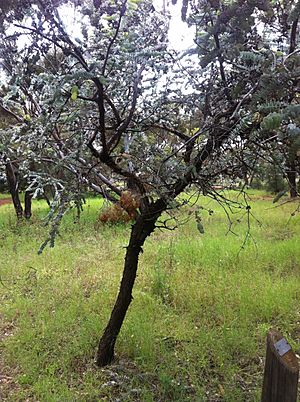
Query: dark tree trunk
x=143, y=227
x=244, y=170
x=46, y=198
x=291, y=176
x=27, y=210
x=13, y=185
x=48, y=195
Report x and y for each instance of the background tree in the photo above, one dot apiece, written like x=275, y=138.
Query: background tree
x=117, y=98
x=10, y=163
x=19, y=104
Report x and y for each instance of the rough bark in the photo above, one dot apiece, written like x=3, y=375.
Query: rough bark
x=13, y=185
x=143, y=227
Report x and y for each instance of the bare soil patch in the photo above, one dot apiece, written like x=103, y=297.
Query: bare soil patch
x=8, y=384
x=5, y=201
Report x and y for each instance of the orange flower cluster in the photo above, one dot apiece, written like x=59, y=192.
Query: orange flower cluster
x=124, y=210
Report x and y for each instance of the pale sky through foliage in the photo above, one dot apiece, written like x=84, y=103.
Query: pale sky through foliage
x=180, y=35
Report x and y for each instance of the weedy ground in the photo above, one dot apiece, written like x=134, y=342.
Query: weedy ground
x=196, y=328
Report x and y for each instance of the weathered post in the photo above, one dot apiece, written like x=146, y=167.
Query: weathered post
x=281, y=370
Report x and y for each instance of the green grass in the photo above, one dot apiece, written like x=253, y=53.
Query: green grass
x=4, y=195
x=196, y=328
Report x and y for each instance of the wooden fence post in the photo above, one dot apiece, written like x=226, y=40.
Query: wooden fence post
x=281, y=370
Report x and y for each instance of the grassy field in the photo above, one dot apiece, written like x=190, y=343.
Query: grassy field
x=4, y=196
x=196, y=328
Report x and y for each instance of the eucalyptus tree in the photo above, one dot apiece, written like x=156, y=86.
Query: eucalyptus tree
x=256, y=46
x=114, y=96
x=26, y=164
x=11, y=156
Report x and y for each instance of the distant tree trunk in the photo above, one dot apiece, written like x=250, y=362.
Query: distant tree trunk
x=291, y=176
x=130, y=182
x=245, y=175
x=46, y=198
x=142, y=228
x=13, y=185
x=27, y=209
x=48, y=195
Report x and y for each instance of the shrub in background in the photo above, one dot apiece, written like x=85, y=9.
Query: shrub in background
x=124, y=210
